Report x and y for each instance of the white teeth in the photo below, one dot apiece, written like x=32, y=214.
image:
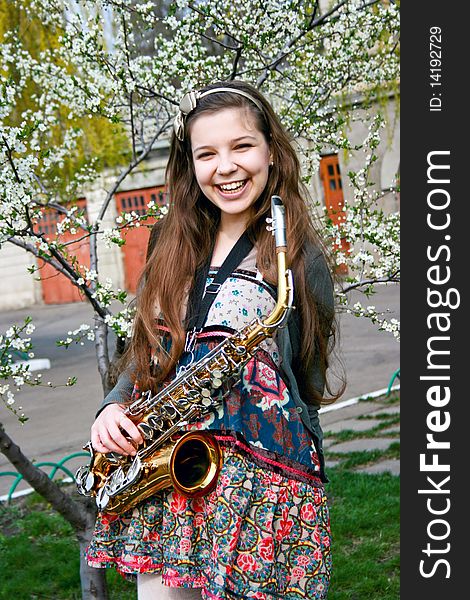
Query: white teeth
x=228, y=187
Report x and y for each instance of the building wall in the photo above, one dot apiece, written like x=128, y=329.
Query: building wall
x=19, y=287
x=383, y=172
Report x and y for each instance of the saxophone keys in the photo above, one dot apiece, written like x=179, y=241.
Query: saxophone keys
x=89, y=482
x=169, y=412
x=115, y=482
x=217, y=373
x=205, y=393
x=85, y=480
x=102, y=499
x=216, y=382
x=147, y=431
x=134, y=471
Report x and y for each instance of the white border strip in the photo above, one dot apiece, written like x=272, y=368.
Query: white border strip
x=35, y=364
x=27, y=491
x=344, y=403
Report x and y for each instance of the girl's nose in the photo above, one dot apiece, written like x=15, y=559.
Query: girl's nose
x=226, y=165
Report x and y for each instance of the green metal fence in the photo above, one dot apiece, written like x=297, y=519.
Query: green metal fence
x=56, y=466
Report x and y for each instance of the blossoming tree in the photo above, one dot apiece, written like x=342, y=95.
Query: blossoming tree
x=123, y=65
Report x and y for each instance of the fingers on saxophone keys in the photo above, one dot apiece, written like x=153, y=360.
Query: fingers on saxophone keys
x=105, y=444
x=131, y=430
x=97, y=444
x=115, y=441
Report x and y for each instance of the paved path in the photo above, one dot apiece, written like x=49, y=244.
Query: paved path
x=371, y=424
x=60, y=418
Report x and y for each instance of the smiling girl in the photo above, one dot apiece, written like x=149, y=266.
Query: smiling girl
x=263, y=531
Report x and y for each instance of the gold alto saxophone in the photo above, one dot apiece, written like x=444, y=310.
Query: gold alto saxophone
x=189, y=462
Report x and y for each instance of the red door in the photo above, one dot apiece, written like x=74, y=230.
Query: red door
x=330, y=176
x=56, y=288
x=135, y=248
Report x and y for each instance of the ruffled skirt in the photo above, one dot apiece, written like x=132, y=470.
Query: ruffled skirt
x=258, y=534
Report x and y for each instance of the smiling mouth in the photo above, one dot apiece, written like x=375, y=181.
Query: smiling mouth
x=233, y=187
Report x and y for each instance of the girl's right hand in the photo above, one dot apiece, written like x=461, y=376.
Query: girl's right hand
x=109, y=429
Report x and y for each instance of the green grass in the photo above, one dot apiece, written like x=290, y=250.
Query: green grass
x=365, y=516
x=365, y=513
x=392, y=398
x=39, y=557
x=347, y=435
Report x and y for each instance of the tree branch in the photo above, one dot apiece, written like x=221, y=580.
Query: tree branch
x=314, y=22
x=102, y=352
x=129, y=169
x=219, y=42
x=131, y=105
x=393, y=278
x=10, y=160
x=236, y=60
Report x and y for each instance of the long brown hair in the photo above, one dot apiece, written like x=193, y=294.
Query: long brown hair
x=186, y=235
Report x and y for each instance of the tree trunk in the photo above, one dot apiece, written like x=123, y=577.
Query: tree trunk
x=93, y=581
x=80, y=513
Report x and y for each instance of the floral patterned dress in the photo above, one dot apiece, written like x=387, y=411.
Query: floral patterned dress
x=263, y=532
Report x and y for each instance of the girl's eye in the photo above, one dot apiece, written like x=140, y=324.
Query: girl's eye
x=242, y=146
x=204, y=155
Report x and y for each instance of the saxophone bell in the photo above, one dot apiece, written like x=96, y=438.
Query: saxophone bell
x=195, y=463
x=191, y=465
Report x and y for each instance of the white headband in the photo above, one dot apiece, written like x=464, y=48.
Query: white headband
x=189, y=102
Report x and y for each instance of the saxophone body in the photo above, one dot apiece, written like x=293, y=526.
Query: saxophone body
x=191, y=461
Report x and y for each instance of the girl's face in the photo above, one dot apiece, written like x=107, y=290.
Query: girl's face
x=231, y=160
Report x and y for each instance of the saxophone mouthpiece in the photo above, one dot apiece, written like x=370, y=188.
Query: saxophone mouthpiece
x=278, y=221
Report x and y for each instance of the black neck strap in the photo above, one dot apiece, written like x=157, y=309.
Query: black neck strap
x=200, y=303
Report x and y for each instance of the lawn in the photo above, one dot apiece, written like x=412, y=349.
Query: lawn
x=365, y=522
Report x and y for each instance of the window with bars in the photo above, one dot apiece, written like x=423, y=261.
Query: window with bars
x=47, y=224
x=137, y=200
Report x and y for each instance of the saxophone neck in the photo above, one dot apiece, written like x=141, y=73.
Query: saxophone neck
x=285, y=293
x=285, y=283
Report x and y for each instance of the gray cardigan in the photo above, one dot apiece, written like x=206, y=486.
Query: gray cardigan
x=289, y=342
